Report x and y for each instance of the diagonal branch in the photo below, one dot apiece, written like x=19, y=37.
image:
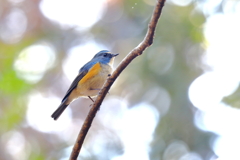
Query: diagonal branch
x=148, y=40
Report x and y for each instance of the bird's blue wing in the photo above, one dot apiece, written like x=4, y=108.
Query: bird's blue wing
x=82, y=72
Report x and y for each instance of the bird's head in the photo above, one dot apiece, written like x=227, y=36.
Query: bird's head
x=105, y=56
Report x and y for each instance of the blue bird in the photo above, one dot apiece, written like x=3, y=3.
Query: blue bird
x=89, y=80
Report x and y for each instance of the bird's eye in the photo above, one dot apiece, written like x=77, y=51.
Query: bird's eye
x=105, y=55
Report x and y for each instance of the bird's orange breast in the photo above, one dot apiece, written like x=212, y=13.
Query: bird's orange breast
x=91, y=73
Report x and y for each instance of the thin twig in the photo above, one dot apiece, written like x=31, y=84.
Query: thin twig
x=148, y=40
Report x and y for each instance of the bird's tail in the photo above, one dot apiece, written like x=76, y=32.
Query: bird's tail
x=59, y=111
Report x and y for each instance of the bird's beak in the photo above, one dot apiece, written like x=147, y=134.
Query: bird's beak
x=114, y=55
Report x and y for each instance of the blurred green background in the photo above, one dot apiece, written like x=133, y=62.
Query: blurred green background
x=148, y=113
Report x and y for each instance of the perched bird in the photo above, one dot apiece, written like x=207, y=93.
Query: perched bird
x=89, y=81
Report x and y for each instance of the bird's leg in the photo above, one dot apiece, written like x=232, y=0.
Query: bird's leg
x=91, y=99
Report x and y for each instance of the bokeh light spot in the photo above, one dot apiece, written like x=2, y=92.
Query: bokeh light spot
x=82, y=14
x=13, y=26
x=138, y=125
x=208, y=90
x=175, y=150
x=159, y=96
x=15, y=144
x=39, y=114
x=181, y=2
x=33, y=61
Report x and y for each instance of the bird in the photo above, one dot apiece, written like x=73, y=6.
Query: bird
x=89, y=80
